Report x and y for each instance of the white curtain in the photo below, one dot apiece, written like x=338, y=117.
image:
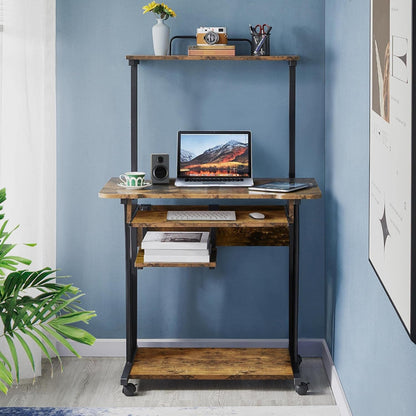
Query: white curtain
x=28, y=128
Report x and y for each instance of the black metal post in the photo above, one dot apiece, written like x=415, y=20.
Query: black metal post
x=194, y=38
x=294, y=289
x=130, y=234
x=292, y=106
x=133, y=116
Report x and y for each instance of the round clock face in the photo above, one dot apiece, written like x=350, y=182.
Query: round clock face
x=211, y=38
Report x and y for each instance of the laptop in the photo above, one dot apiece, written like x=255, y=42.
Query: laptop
x=214, y=158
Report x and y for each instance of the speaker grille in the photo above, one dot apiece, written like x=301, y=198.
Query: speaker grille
x=160, y=172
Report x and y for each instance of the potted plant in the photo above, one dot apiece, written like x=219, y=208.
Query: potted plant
x=34, y=306
x=160, y=31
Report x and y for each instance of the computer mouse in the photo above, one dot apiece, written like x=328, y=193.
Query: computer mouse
x=256, y=215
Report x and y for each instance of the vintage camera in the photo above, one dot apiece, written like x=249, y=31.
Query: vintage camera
x=211, y=36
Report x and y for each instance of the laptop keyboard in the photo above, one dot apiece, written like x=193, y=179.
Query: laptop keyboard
x=213, y=179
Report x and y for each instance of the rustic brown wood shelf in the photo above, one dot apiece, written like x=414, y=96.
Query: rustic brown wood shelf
x=275, y=216
x=273, y=230
x=212, y=363
x=212, y=58
x=113, y=191
x=140, y=263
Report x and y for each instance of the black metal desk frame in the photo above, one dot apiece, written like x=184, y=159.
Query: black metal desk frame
x=292, y=208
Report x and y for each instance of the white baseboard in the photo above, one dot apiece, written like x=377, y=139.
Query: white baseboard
x=308, y=347
x=117, y=347
x=334, y=381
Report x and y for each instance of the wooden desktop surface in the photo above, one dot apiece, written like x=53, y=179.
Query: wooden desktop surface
x=112, y=190
x=212, y=58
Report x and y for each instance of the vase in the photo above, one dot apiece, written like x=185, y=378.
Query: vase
x=160, y=33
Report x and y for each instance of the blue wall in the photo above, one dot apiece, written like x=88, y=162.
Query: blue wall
x=373, y=354
x=246, y=296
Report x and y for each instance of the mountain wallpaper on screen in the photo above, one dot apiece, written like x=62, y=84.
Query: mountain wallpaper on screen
x=229, y=159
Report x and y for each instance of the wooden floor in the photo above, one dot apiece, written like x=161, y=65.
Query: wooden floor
x=94, y=382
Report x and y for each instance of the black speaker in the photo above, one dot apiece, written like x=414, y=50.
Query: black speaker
x=160, y=168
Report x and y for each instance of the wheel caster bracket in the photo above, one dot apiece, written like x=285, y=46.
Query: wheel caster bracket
x=301, y=388
x=129, y=389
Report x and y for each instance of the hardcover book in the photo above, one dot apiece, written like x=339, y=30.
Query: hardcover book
x=172, y=252
x=288, y=186
x=224, y=50
x=178, y=258
x=191, y=240
x=216, y=46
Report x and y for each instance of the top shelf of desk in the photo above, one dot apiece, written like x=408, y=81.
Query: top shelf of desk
x=287, y=58
x=112, y=190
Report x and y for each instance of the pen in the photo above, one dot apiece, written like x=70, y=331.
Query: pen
x=263, y=39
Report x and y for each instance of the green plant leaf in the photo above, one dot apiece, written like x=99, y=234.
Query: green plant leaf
x=3, y=227
x=22, y=260
x=52, y=309
x=6, y=237
x=3, y=386
x=41, y=346
x=50, y=345
x=14, y=355
x=55, y=311
x=72, y=332
x=70, y=318
x=61, y=339
x=5, y=374
x=48, y=306
x=27, y=351
x=38, y=278
x=5, y=361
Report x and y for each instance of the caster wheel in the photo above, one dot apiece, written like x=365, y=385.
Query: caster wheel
x=302, y=388
x=129, y=390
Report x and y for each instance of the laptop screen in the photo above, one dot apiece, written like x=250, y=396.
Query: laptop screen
x=207, y=154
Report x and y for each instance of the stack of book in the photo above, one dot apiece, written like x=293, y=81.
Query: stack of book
x=211, y=50
x=176, y=247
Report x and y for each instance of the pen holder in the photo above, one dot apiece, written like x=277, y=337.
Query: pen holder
x=264, y=49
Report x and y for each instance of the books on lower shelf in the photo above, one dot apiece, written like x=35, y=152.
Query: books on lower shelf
x=213, y=50
x=176, y=247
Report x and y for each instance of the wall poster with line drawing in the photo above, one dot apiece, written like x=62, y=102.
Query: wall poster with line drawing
x=392, y=236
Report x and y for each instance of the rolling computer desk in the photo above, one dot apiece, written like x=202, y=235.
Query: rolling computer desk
x=280, y=227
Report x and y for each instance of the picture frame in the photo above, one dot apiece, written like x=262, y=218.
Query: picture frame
x=392, y=157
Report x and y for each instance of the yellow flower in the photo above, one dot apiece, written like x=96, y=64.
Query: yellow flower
x=149, y=7
x=161, y=9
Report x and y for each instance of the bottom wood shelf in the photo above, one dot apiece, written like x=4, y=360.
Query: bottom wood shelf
x=212, y=363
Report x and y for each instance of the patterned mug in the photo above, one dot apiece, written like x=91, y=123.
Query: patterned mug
x=133, y=179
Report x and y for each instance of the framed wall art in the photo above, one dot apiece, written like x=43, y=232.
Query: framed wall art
x=392, y=204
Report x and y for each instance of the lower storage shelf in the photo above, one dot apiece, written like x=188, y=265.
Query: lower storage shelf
x=212, y=364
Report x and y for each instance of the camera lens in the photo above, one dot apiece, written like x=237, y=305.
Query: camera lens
x=211, y=38
x=160, y=159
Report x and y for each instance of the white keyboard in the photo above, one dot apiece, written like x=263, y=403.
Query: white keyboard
x=201, y=216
